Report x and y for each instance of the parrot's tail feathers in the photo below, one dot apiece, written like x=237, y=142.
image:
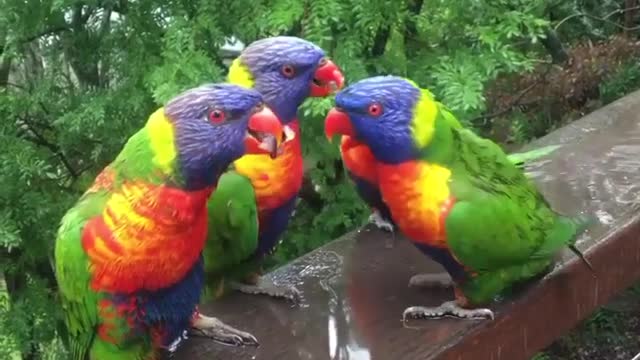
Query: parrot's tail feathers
x=80, y=347
x=582, y=222
x=519, y=159
x=579, y=254
x=564, y=233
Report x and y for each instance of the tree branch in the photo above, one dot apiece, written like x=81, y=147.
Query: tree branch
x=105, y=28
x=50, y=31
x=379, y=44
x=5, y=69
x=630, y=14
x=55, y=149
x=380, y=41
x=415, y=8
x=554, y=47
x=604, y=18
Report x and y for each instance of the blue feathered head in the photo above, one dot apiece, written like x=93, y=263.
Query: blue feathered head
x=286, y=70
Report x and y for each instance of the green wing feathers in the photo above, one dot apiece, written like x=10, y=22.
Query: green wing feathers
x=233, y=228
x=519, y=159
x=500, y=226
x=564, y=233
x=79, y=302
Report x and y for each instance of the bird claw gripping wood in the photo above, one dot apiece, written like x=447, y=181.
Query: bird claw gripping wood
x=380, y=222
x=213, y=328
x=385, y=225
x=449, y=308
x=288, y=292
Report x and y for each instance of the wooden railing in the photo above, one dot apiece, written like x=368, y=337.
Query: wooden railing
x=355, y=288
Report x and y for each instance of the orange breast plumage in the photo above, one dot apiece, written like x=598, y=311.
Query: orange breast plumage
x=419, y=198
x=357, y=157
x=275, y=181
x=147, y=237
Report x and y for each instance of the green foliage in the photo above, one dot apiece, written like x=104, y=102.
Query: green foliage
x=588, y=19
x=624, y=81
x=541, y=356
x=78, y=77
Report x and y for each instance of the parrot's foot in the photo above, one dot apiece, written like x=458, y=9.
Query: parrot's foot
x=380, y=222
x=212, y=328
x=449, y=308
x=385, y=225
x=442, y=280
x=288, y=292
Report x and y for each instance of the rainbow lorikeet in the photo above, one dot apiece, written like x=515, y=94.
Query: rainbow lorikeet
x=285, y=70
x=360, y=165
x=128, y=254
x=455, y=195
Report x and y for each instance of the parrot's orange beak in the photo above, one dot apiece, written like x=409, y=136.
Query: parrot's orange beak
x=327, y=79
x=264, y=133
x=337, y=122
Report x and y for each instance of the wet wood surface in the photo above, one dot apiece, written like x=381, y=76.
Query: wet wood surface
x=355, y=288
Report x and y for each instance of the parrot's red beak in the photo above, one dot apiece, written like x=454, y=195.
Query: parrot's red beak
x=264, y=133
x=337, y=122
x=327, y=79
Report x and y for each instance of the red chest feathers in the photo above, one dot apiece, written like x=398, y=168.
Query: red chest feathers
x=358, y=159
x=148, y=237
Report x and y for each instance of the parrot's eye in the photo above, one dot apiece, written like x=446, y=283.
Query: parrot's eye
x=375, y=109
x=288, y=71
x=216, y=116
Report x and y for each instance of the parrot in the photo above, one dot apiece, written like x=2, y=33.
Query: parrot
x=255, y=198
x=128, y=257
x=359, y=164
x=456, y=196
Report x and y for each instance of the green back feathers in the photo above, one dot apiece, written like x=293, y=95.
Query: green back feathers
x=150, y=154
x=433, y=121
x=72, y=273
x=501, y=226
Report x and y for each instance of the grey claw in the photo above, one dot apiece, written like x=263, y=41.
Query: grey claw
x=288, y=292
x=293, y=294
x=449, y=308
x=380, y=222
x=216, y=330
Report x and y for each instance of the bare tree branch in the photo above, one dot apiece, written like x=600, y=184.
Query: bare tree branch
x=5, y=69
x=604, y=18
